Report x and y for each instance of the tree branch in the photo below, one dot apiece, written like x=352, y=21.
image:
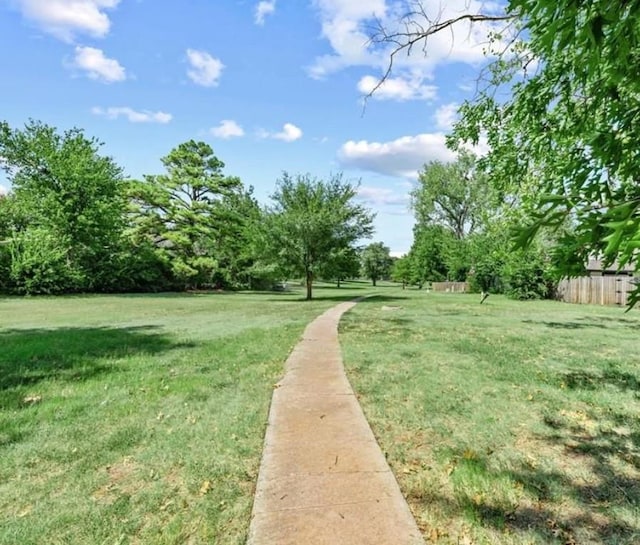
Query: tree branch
x=415, y=33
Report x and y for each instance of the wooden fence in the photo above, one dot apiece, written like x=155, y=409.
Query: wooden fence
x=596, y=290
x=451, y=287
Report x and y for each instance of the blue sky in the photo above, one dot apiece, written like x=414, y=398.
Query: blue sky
x=271, y=85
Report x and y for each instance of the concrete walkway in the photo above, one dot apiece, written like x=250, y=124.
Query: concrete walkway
x=323, y=478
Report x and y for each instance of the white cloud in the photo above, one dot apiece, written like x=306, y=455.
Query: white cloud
x=348, y=25
x=66, y=18
x=403, y=157
x=133, y=116
x=481, y=148
x=264, y=8
x=97, y=66
x=227, y=129
x=446, y=115
x=3, y=190
x=343, y=25
x=382, y=196
x=397, y=88
x=205, y=70
x=289, y=133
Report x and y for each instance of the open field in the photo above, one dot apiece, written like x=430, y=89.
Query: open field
x=506, y=423
x=139, y=419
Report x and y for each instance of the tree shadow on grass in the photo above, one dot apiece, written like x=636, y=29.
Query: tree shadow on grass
x=596, y=503
x=589, y=380
x=29, y=356
x=587, y=322
x=604, y=486
x=579, y=483
x=343, y=286
x=564, y=325
x=343, y=299
x=633, y=322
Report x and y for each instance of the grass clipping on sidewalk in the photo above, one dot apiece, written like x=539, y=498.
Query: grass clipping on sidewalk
x=506, y=423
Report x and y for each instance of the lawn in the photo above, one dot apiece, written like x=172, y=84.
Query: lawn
x=507, y=422
x=139, y=419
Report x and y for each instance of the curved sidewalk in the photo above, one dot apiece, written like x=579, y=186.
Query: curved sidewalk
x=323, y=478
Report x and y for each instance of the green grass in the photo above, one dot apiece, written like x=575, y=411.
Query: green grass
x=139, y=419
x=506, y=423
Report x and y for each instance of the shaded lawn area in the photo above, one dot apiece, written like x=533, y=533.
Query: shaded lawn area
x=139, y=419
x=506, y=423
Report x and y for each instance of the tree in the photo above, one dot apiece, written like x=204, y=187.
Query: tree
x=437, y=255
x=452, y=202
x=342, y=263
x=428, y=254
x=401, y=271
x=238, y=244
x=6, y=219
x=311, y=220
x=67, y=207
x=488, y=252
x=454, y=195
x=5, y=234
x=498, y=267
x=565, y=141
x=376, y=261
x=185, y=214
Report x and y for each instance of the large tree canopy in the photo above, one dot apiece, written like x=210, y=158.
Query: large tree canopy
x=66, y=214
x=454, y=195
x=376, y=261
x=431, y=254
x=185, y=212
x=312, y=221
x=565, y=141
x=452, y=202
x=401, y=271
x=343, y=263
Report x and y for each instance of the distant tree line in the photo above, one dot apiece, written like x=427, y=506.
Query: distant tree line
x=464, y=232
x=73, y=222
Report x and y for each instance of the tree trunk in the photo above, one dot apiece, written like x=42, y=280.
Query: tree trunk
x=309, y=280
x=338, y=282
x=374, y=282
